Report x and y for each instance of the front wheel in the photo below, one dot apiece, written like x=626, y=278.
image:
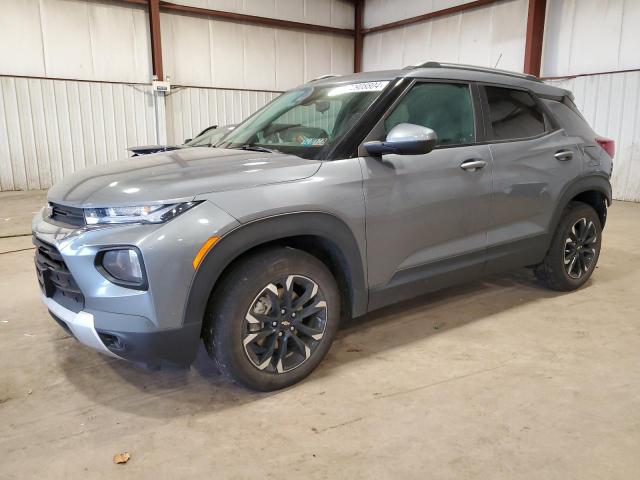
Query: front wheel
x=574, y=250
x=274, y=319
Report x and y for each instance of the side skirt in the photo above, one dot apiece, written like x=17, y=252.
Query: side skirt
x=415, y=281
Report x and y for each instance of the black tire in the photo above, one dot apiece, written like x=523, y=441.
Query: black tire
x=569, y=262
x=233, y=319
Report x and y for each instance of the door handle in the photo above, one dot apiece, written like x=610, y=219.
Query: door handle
x=564, y=155
x=473, y=165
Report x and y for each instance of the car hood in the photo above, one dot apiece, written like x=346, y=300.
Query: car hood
x=177, y=175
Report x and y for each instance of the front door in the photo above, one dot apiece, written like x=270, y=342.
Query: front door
x=427, y=215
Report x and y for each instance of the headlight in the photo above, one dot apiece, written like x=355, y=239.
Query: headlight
x=122, y=266
x=141, y=214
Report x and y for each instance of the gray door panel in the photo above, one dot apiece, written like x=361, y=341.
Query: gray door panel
x=528, y=182
x=425, y=209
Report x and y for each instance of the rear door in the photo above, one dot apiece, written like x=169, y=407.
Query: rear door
x=533, y=160
x=427, y=215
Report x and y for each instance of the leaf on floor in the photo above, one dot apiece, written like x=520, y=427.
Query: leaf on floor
x=121, y=457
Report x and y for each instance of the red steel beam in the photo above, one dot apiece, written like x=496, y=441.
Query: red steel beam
x=535, y=36
x=156, y=39
x=358, y=38
x=252, y=19
x=428, y=16
x=590, y=74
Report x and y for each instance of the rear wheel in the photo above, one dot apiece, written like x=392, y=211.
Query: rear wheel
x=274, y=319
x=574, y=250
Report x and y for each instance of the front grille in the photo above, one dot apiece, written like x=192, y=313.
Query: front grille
x=72, y=216
x=55, y=279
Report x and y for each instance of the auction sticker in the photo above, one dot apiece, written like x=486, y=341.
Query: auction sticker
x=359, y=87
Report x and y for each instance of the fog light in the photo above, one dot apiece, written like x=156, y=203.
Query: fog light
x=123, y=267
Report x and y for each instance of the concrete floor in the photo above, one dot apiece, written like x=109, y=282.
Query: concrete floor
x=499, y=379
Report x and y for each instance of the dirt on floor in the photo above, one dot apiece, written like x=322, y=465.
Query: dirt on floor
x=495, y=379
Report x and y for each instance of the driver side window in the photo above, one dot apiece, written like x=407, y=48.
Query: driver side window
x=446, y=108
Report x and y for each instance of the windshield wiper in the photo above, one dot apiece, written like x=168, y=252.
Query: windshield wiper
x=256, y=148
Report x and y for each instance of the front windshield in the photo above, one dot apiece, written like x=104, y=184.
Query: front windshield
x=306, y=122
x=210, y=137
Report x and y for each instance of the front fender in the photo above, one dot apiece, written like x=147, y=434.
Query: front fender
x=265, y=230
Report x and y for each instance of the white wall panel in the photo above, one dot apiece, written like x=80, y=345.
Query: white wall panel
x=191, y=110
x=51, y=128
x=75, y=39
x=331, y=13
x=21, y=51
x=379, y=12
x=611, y=105
x=203, y=52
x=484, y=36
x=590, y=36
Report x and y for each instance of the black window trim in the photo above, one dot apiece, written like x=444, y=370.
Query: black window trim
x=551, y=125
x=479, y=123
x=350, y=145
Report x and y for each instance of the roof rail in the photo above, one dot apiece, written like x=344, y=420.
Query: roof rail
x=321, y=77
x=474, y=68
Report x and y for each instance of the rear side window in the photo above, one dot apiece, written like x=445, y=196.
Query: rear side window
x=569, y=118
x=446, y=108
x=514, y=114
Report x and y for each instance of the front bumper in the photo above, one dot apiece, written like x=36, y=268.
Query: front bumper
x=174, y=347
x=80, y=325
x=147, y=326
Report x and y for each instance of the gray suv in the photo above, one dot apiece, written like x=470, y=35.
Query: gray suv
x=339, y=197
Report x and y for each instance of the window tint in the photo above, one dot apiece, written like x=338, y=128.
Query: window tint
x=571, y=120
x=307, y=122
x=514, y=114
x=443, y=107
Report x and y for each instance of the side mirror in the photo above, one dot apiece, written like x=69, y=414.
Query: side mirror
x=404, y=139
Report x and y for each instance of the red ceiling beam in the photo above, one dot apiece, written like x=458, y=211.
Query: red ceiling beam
x=428, y=16
x=156, y=39
x=535, y=36
x=252, y=19
x=358, y=37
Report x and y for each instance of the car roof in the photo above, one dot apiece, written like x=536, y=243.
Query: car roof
x=451, y=71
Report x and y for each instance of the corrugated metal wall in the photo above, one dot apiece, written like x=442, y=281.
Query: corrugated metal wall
x=50, y=128
x=611, y=104
x=233, y=55
x=581, y=36
x=105, y=41
x=488, y=36
x=191, y=110
x=590, y=36
x=378, y=12
x=332, y=13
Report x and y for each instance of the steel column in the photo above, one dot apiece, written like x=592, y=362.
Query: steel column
x=535, y=36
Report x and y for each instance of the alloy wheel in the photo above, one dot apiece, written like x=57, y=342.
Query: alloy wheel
x=285, y=324
x=580, y=248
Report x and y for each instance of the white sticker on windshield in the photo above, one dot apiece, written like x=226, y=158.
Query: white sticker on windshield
x=359, y=87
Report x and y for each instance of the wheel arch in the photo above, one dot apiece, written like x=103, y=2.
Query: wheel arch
x=594, y=190
x=321, y=234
